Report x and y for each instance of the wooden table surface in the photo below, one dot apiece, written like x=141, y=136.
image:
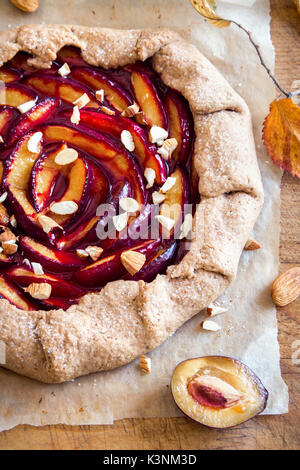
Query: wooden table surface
x=264, y=432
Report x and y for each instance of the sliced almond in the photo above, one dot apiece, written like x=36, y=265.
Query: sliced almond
x=82, y=253
x=23, y=108
x=210, y=325
x=252, y=245
x=82, y=101
x=94, y=252
x=131, y=110
x=169, y=183
x=149, y=174
x=120, y=221
x=186, y=226
x=64, y=70
x=145, y=364
x=47, y=223
x=1, y=140
x=64, y=207
x=157, y=134
x=3, y=197
x=286, y=287
x=107, y=110
x=75, y=117
x=166, y=222
x=129, y=205
x=66, y=156
x=127, y=141
x=13, y=221
x=34, y=142
x=133, y=261
x=157, y=197
x=37, y=268
x=167, y=148
x=39, y=290
x=9, y=247
x=213, y=310
x=100, y=95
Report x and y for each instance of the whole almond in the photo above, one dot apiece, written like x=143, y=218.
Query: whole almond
x=28, y=6
x=133, y=261
x=286, y=287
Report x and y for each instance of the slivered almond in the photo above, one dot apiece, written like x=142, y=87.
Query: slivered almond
x=9, y=247
x=131, y=110
x=82, y=101
x=157, y=197
x=252, y=245
x=127, y=140
x=39, y=290
x=186, y=226
x=23, y=108
x=75, y=117
x=47, y=223
x=94, y=252
x=157, y=134
x=1, y=140
x=166, y=222
x=210, y=325
x=286, y=287
x=133, y=261
x=13, y=221
x=120, y=221
x=107, y=110
x=64, y=70
x=167, y=148
x=82, y=253
x=149, y=174
x=145, y=364
x=213, y=310
x=64, y=207
x=100, y=95
x=37, y=268
x=169, y=183
x=141, y=118
x=34, y=142
x=66, y=156
x=129, y=204
x=3, y=197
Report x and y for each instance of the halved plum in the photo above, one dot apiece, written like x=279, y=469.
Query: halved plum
x=113, y=92
x=145, y=152
x=60, y=287
x=15, y=94
x=112, y=156
x=11, y=293
x=216, y=391
x=33, y=118
x=175, y=199
x=50, y=259
x=110, y=268
x=66, y=89
x=147, y=97
x=181, y=125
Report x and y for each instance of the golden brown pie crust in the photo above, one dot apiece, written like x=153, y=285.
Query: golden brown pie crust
x=127, y=318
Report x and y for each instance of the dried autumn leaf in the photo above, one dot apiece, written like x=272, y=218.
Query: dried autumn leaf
x=207, y=8
x=281, y=135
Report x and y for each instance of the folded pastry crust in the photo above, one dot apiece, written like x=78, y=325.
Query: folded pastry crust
x=128, y=318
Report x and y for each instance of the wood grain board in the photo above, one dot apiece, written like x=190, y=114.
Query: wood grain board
x=264, y=432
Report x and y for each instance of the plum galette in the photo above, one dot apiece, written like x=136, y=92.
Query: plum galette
x=129, y=186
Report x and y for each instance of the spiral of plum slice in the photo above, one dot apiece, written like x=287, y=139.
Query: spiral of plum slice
x=83, y=180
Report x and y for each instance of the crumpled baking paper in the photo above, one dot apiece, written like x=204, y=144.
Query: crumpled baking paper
x=249, y=329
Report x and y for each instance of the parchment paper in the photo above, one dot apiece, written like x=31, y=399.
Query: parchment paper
x=249, y=329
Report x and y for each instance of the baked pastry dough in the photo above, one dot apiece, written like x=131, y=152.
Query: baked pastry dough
x=128, y=318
